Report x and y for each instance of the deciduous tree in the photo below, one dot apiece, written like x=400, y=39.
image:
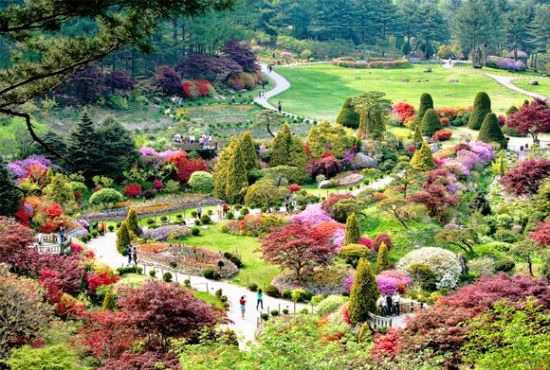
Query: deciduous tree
x=532, y=119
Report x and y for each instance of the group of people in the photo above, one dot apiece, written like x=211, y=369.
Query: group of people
x=259, y=303
x=222, y=210
x=132, y=254
x=389, y=304
x=206, y=141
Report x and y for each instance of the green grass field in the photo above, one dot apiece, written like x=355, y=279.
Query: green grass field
x=543, y=88
x=255, y=270
x=318, y=91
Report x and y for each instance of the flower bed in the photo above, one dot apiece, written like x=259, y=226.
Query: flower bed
x=255, y=225
x=155, y=207
x=187, y=260
x=163, y=233
x=505, y=63
x=375, y=63
x=327, y=280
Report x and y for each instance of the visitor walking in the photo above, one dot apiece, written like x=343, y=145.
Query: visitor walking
x=389, y=305
x=395, y=301
x=279, y=107
x=134, y=255
x=242, y=303
x=384, y=305
x=260, y=299
x=130, y=254
x=199, y=212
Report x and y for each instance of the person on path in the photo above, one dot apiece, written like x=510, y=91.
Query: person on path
x=130, y=254
x=199, y=212
x=260, y=299
x=279, y=107
x=395, y=302
x=103, y=228
x=242, y=303
x=225, y=209
x=389, y=305
x=384, y=306
x=134, y=255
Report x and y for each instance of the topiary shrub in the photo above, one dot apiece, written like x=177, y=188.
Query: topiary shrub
x=285, y=311
x=490, y=131
x=352, y=253
x=167, y=277
x=274, y=313
x=482, y=107
x=348, y=116
x=153, y=273
x=253, y=287
x=426, y=102
x=442, y=263
x=205, y=219
x=201, y=181
x=430, y=123
x=264, y=316
x=106, y=197
x=211, y=274
x=195, y=231
x=286, y=294
x=272, y=291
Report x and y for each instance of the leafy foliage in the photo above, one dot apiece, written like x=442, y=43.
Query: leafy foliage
x=531, y=119
x=364, y=293
x=526, y=177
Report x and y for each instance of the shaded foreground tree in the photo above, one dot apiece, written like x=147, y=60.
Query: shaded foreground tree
x=296, y=247
x=45, y=57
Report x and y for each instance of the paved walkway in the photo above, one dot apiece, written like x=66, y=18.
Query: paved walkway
x=506, y=81
x=281, y=85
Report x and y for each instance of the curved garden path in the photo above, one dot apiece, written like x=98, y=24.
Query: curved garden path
x=281, y=85
x=506, y=81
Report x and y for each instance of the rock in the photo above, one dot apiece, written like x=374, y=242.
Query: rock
x=362, y=160
x=434, y=147
x=325, y=184
x=405, y=79
x=453, y=80
x=427, y=70
x=534, y=83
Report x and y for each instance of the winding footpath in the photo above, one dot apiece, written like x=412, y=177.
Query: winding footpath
x=506, y=81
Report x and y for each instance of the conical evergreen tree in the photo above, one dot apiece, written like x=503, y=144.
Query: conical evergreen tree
x=249, y=151
x=132, y=222
x=364, y=293
x=298, y=155
x=376, y=125
x=348, y=115
x=362, y=130
x=417, y=136
x=109, y=301
x=237, y=179
x=117, y=149
x=430, y=123
x=280, y=149
x=84, y=146
x=352, y=233
x=60, y=191
x=220, y=169
x=10, y=196
x=382, y=259
x=482, y=107
x=54, y=141
x=422, y=159
x=123, y=239
x=490, y=131
x=426, y=102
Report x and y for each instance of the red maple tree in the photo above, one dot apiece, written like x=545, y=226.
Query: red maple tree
x=541, y=235
x=526, y=178
x=531, y=119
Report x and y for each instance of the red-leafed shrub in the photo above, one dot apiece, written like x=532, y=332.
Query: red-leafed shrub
x=14, y=240
x=190, y=90
x=132, y=190
x=142, y=361
x=382, y=238
x=447, y=112
x=52, y=211
x=532, y=119
x=204, y=87
x=526, y=178
x=541, y=235
x=404, y=111
x=186, y=168
x=386, y=345
x=411, y=148
x=333, y=198
x=99, y=279
x=442, y=135
x=157, y=184
x=436, y=198
x=327, y=165
x=326, y=229
x=442, y=326
x=168, y=80
x=444, y=121
x=48, y=227
x=366, y=242
x=294, y=188
x=502, y=119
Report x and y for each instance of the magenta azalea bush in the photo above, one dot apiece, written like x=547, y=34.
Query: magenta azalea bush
x=505, y=63
x=347, y=283
x=149, y=152
x=338, y=238
x=392, y=281
x=469, y=156
x=312, y=215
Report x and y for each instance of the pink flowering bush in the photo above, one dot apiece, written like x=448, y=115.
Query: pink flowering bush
x=392, y=281
x=469, y=156
x=27, y=167
x=312, y=215
x=338, y=238
x=348, y=282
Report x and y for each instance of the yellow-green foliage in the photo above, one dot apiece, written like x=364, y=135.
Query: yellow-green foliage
x=382, y=260
x=353, y=233
x=326, y=137
x=422, y=159
x=364, y=293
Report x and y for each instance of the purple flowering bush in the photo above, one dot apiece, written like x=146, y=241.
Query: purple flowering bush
x=469, y=156
x=163, y=233
x=312, y=215
x=338, y=238
x=20, y=169
x=505, y=63
x=347, y=283
x=391, y=281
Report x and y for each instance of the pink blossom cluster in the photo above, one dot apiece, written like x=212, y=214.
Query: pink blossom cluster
x=471, y=155
x=312, y=215
x=391, y=281
x=152, y=153
x=20, y=169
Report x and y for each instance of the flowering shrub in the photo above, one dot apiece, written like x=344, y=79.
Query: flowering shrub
x=186, y=166
x=132, y=190
x=404, y=111
x=443, y=263
x=34, y=166
x=469, y=156
x=196, y=89
x=444, y=121
x=526, y=177
x=368, y=243
x=153, y=247
x=442, y=135
x=338, y=237
x=157, y=184
x=391, y=281
x=327, y=165
x=96, y=280
x=312, y=215
x=348, y=282
x=386, y=345
x=163, y=233
x=255, y=225
x=294, y=188
x=364, y=64
x=505, y=63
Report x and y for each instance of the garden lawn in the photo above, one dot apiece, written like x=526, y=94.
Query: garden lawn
x=543, y=87
x=318, y=91
x=255, y=270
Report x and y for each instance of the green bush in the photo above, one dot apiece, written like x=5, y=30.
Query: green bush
x=205, y=219
x=506, y=236
x=285, y=311
x=233, y=258
x=195, y=231
x=264, y=316
x=330, y=304
x=490, y=131
x=430, y=123
x=201, y=181
x=423, y=275
x=482, y=107
x=272, y=291
x=230, y=215
x=167, y=277
x=153, y=273
x=129, y=270
x=253, y=287
x=274, y=313
x=286, y=294
x=211, y=274
x=105, y=197
x=352, y=253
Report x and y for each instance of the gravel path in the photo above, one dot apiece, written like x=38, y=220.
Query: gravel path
x=506, y=81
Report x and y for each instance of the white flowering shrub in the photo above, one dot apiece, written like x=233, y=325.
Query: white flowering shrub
x=443, y=263
x=482, y=265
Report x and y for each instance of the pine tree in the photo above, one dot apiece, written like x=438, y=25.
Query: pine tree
x=382, y=259
x=280, y=148
x=132, y=222
x=362, y=130
x=9, y=195
x=298, y=155
x=353, y=233
x=376, y=125
x=482, y=107
x=422, y=159
x=84, y=146
x=109, y=301
x=123, y=239
x=348, y=115
x=54, y=141
x=426, y=102
x=490, y=131
x=249, y=151
x=364, y=293
x=117, y=149
x=237, y=179
x=417, y=136
x=430, y=123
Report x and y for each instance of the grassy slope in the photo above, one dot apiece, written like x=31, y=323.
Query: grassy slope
x=255, y=270
x=319, y=90
x=543, y=88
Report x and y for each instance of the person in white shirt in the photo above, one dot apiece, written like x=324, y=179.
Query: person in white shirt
x=395, y=300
